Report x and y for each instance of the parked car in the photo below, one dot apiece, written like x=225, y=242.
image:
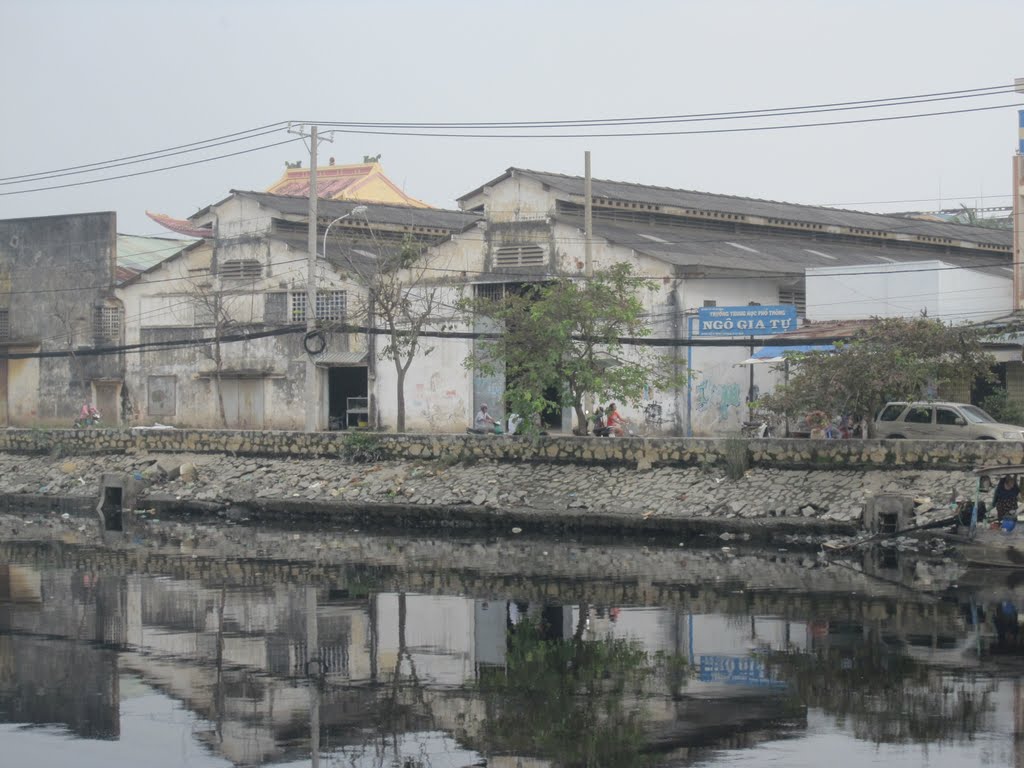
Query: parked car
x=941, y=421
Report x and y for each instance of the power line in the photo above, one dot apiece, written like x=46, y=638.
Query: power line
x=994, y=90
x=636, y=134
x=151, y=170
x=131, y=159
x=429, y=129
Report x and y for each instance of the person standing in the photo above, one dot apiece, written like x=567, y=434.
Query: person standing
x=1006, y=496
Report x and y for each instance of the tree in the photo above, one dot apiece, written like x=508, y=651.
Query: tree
x=563, y=336
x=890, y=359
x=400, y=299
x=217, y=308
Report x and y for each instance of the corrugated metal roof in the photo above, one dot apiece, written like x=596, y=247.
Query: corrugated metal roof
x=136, y=253
x=767, y=209
x=342, y=358
x=376, y=213
x=709, y=250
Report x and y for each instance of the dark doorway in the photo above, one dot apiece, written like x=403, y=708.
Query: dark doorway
x=112, y=501
x=551, y=418
x=347, y=389
x=982, y=388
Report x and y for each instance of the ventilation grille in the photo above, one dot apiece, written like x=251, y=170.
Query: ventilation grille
x=239, y=268
x=519, y=256
x=797, y=298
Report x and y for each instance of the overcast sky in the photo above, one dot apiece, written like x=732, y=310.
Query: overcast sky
x=85, y=82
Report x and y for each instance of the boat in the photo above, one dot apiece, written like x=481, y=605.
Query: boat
x=981, y=541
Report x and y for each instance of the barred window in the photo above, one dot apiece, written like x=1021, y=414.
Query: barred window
x=330, y=305
x=107, y=325
x=490, y=291
x=5, y=324
x=240, y=268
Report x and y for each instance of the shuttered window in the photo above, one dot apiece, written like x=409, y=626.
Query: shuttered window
x=5, y=324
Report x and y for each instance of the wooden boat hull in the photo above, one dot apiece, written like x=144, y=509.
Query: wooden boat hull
x=992, y=549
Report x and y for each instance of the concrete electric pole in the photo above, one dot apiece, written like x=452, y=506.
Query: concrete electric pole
x=313, y=384
x=1018, y=208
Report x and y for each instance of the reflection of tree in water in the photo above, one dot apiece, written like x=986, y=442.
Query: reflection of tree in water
x=575, y=702
x=886, y=696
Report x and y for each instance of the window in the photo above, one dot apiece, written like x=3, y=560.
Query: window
x=710, y=303
x=946, y=417
x=330, y=305
x=892, y=412
x=107, y=325
x=796, y=297
x=203, y=314
x=919, y=415
x=527, y=255
x=491, y=291
x=240, y=268
x=5, y=324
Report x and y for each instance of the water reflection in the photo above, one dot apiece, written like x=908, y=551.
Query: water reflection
x=369, y=662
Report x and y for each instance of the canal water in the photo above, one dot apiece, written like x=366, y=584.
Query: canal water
x=600, y=655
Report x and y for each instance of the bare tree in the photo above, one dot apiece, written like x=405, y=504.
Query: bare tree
x=218, y=309
x=399, y=301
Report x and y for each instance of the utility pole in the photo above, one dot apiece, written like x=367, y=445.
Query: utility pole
x=1018, y=208
x=312, y=374
x=588, y=216
x=588, y=261
x=313, y=388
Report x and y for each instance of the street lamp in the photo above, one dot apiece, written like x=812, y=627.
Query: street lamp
x=359, y=210
x=312, y=381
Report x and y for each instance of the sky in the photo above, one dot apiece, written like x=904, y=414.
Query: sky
x=87, y=82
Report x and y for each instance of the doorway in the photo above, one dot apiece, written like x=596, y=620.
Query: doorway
x=107, y=396
x=347, y=397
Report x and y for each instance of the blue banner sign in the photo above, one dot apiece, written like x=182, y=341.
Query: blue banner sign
x=746, y=321
x=735, y=670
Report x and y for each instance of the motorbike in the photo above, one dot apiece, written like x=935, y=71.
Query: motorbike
x=757, y=429
x=85, y=421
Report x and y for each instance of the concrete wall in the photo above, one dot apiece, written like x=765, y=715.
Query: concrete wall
x=635, y=452
x=55, y=272
x=906, y=290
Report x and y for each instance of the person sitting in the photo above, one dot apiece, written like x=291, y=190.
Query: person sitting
x=484, y=423
x=616, y=424
x=1006, y=496
x=601, y=428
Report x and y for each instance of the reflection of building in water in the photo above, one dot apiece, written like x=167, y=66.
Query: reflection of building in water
x=240, y=659
x=41, y=661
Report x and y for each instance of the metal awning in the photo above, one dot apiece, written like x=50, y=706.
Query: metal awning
x=778, y=354
x=341, y=358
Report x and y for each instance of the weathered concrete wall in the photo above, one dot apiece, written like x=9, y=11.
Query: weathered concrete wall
x=630, y=452
x=55, y=274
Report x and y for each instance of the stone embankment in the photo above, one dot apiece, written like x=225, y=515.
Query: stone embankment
x=576, y=496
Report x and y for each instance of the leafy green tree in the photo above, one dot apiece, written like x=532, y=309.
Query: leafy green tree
x=563, y=336
x=576, y=702
x=890, y=359
x=1002, y=408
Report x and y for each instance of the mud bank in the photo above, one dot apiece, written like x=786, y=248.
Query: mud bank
x=481, y=496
